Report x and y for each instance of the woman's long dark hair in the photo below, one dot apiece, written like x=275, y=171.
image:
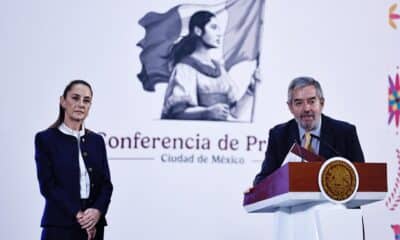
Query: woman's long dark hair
x=61, y=112
x=187, y=44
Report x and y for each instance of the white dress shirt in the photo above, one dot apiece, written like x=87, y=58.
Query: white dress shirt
x=316, y=131
x=84, y=175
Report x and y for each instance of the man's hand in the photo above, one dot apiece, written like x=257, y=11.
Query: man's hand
x=248, y=190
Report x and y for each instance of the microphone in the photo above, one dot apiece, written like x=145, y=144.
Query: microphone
x=295, y=140
x=300, y=152
x=326, y=144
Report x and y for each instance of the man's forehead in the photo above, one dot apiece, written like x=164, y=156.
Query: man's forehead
x=306, y=92
x=305, y=98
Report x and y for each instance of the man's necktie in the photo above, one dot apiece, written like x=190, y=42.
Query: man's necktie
x=307, y=142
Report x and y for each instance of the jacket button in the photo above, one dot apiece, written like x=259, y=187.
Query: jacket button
x=85, y=154
x=92, y=185
x=90, y=169
x=83, y=139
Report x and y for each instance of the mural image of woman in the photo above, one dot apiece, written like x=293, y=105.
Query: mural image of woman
x=199, y=87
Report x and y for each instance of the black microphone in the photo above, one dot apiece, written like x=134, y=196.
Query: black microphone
x=296, y=141
x=326, y=144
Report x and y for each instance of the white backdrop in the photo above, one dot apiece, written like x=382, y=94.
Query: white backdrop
x=347, y=45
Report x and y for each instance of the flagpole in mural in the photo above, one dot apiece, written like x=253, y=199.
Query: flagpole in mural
x=241, y=39
x=258, y=57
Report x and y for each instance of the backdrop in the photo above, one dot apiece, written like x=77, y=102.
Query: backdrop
x=185, y=179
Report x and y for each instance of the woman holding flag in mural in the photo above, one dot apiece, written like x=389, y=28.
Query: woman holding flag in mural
x=199, y=87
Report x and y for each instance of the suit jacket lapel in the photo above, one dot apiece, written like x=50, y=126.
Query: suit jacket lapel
x=294, y=133
x=327, y=137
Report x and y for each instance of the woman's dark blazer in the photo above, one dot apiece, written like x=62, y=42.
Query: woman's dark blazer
x=57, y=163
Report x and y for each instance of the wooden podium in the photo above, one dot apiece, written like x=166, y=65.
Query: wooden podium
x=297, y=183
x=301, y=210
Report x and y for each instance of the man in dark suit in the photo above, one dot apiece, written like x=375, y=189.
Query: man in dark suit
x=329, y=137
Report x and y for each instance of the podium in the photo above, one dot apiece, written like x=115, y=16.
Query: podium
x=297, y=183
x=292, y=193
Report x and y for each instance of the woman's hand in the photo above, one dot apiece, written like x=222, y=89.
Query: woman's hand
x=219, y=111
x=91, y=233
x=89, y=218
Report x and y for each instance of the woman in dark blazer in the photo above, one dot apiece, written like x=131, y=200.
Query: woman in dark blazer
x=73, y=172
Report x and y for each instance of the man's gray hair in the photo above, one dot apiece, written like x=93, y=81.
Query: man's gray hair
x=301, y=82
